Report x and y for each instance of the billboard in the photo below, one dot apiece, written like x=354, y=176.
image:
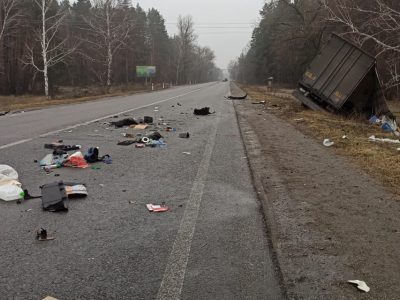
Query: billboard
x=145, y=71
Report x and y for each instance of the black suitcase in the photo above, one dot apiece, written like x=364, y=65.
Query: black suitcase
x=54, y=197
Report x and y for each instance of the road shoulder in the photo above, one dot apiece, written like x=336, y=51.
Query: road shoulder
x=327, y=220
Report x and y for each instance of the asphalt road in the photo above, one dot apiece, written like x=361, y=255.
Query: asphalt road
x=211, y=244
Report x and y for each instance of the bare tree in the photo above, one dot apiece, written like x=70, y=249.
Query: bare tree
x=186, y=39
x=9, y=16
x=373, y=24
x=53, y=51
x=108, y=32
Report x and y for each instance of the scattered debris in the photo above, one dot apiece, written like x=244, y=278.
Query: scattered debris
x=28, y=196
x=126, y=142
x=145, y=140
x=54, y=197
x=41, y=235
x=372, y=138
x=106, y=159
x=157, y=208
x=75, y=190
x=128, y=135
x=92, y=155
x=328, y=143
x=375, y=120
x=140, y=126
x=124, y=122
x=140, y=145
x=259, y=102
x=236, y=97
x=155, y=136
x=299, y=120
x=184, y=135
x=187, y=153
x=148, y=120
x=3, y=113
x=76, y=160
x=10, y=187
x=202, y=111
x=61, y=147
x=361, y=285
x=345, y=137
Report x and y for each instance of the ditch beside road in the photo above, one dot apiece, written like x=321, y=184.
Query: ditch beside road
x=329, y=220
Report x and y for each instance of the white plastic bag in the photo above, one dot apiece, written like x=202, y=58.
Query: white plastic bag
x=10, y=192
x=10, y=188
x=7, y=173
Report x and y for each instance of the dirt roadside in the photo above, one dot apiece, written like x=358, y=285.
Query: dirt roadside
x=29, y=102
x=328, y=220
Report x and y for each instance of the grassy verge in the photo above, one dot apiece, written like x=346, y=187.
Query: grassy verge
x=68, y=96
x=380, y=160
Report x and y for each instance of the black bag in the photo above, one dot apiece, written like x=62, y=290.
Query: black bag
x=54, y=197
x=92, y=155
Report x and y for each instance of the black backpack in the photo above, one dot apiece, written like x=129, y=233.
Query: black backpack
x=92, y=155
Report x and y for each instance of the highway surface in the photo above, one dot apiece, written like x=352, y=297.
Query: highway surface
x=212, y=242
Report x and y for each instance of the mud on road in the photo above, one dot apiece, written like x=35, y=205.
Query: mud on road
x=329, y=221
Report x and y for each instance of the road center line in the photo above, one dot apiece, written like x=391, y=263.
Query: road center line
x=96, y=120
x=174, y=275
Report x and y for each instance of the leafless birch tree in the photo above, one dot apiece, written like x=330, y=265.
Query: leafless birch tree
x=10, y=13
x=108, y=33
x=53, y=51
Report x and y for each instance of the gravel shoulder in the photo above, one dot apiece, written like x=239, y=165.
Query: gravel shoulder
x=328, y=220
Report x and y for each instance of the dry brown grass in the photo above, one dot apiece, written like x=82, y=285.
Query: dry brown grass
x=67, y=96
x=378, y=159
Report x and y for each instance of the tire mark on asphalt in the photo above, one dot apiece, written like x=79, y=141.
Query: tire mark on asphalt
x=96, y=120
x=174, y=275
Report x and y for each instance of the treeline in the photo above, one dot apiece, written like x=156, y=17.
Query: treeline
x=291, y=32
x=49, y=43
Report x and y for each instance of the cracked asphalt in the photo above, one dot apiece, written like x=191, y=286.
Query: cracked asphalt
x=211, y=244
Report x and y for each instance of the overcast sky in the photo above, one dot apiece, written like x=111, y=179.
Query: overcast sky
x=211, y=18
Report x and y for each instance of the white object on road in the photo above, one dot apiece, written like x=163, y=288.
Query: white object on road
x=10, y=192
x=10, y=187
x=188, y=153
x=157, y=208
x=361, y=285
x=328, y=143
x=372, y=138
x=7, y=173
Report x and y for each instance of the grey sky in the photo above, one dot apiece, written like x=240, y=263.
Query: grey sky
x=211, y=18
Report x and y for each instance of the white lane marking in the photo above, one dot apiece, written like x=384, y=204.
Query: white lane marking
x=174, y=275
x=15, y=143
x=96, y=120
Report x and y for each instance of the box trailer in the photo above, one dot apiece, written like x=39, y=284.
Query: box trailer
x=342, y=78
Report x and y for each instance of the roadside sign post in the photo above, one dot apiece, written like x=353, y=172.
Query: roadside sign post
x=146, y=72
